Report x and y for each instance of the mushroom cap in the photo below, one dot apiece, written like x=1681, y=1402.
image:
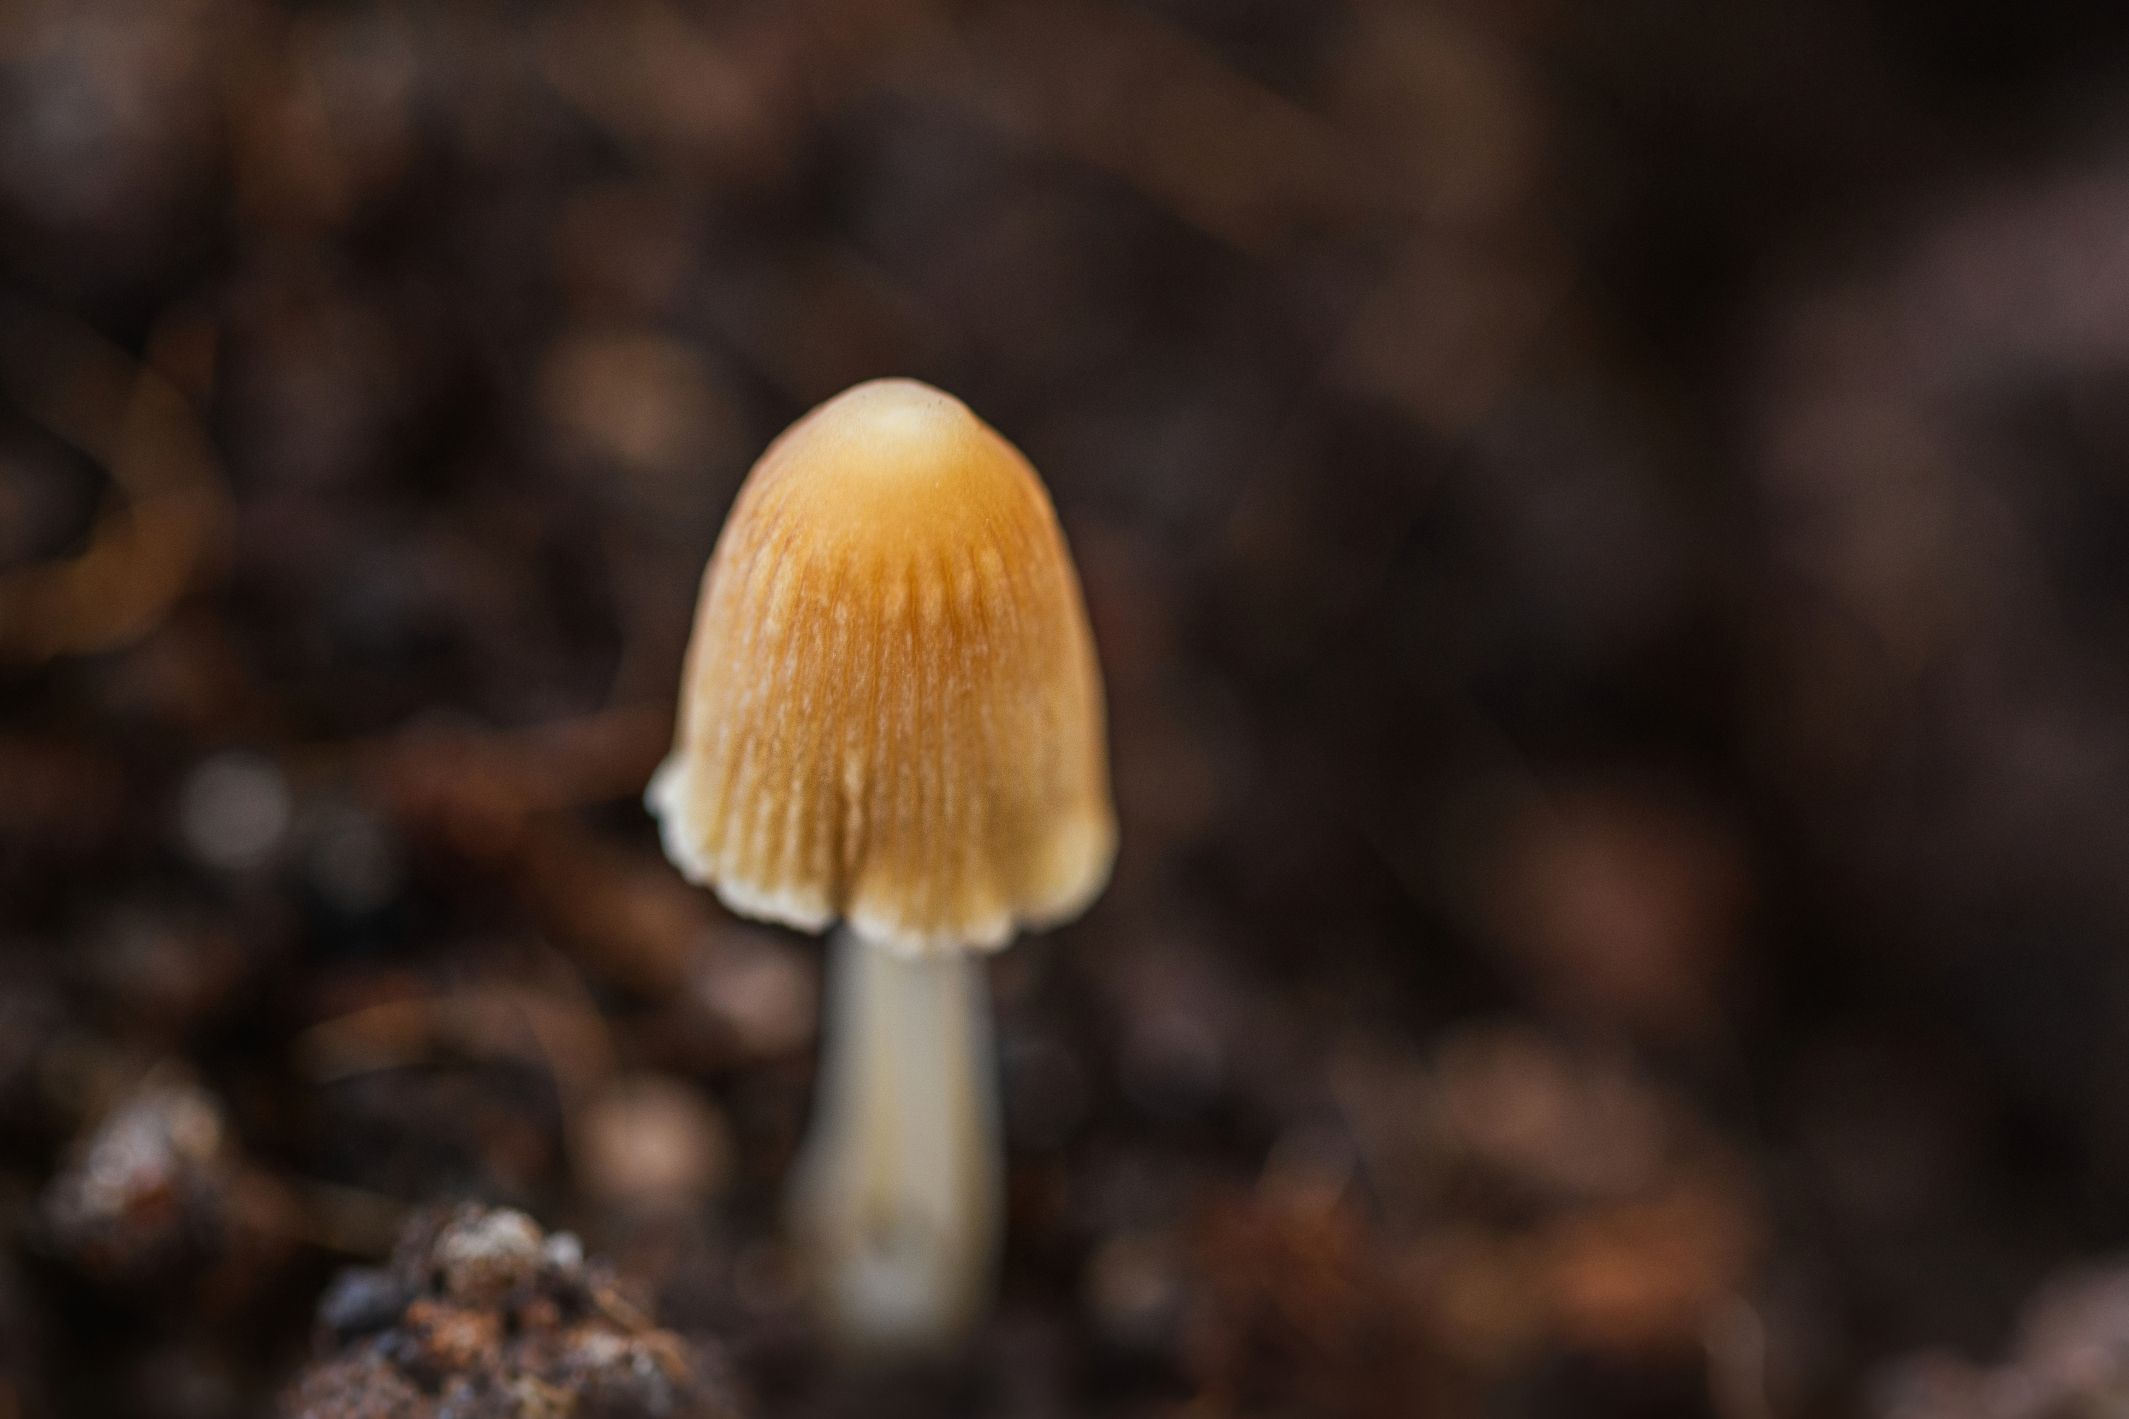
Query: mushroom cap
x=891, y=710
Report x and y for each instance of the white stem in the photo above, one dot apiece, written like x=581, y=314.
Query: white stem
x=898, y=1193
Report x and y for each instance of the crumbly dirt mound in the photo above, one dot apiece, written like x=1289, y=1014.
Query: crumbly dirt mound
x=481, y=1315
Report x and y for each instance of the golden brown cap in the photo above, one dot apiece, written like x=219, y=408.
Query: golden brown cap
x=891, y=710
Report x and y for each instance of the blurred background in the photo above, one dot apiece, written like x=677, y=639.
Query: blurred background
x=1606, y=526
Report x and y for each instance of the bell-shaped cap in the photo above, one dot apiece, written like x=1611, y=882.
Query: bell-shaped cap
x=891, y=710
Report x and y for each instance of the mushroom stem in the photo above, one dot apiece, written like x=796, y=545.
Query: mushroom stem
x=899, y=1186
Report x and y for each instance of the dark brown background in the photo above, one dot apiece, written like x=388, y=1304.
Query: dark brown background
x=1605, y=524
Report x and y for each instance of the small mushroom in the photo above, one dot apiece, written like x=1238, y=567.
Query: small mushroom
x=891, y=714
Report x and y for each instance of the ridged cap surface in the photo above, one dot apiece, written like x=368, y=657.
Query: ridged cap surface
x=891, y=710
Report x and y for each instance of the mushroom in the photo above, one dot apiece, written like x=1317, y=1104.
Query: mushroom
x=891, y=714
